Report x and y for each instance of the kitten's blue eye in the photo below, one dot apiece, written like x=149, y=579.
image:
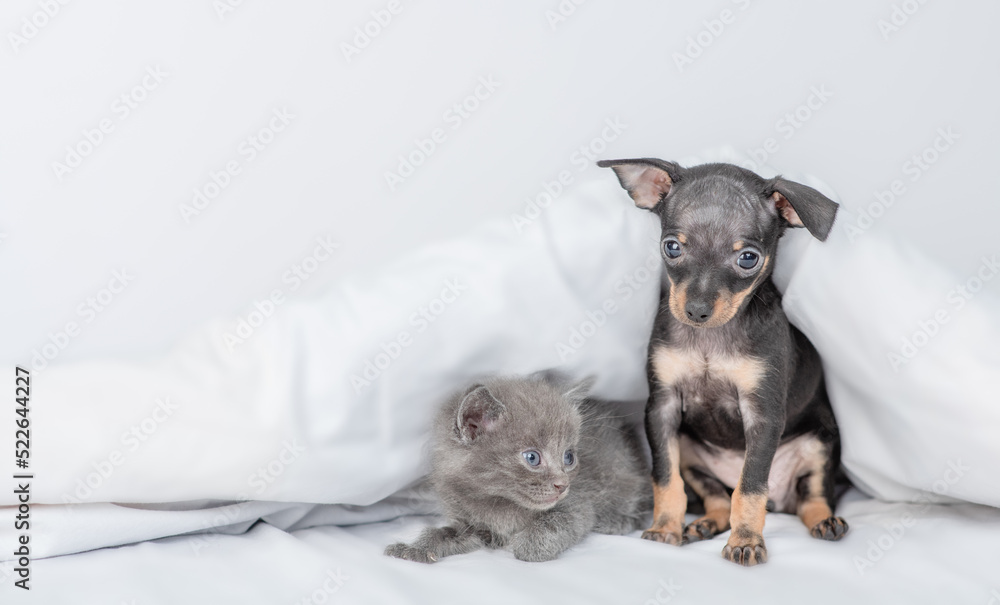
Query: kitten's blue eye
x=532, y=457
x=569, y=458
x=747, y=260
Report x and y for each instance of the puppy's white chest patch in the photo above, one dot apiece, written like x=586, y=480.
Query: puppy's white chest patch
x=676, y=365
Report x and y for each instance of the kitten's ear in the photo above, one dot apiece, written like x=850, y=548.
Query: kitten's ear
x=558, y=378
x=478, y=413
x=578, y=392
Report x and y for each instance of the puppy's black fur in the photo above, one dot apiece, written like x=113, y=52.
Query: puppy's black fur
x=737, y=401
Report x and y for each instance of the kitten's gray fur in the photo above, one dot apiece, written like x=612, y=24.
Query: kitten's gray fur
x=495, y=499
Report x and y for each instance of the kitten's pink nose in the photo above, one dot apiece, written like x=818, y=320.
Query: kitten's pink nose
x=559, y=487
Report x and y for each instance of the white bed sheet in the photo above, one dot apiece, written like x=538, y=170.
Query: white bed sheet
x=945, y=554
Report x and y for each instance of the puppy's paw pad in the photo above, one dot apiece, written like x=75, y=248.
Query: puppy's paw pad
x=659, y=535
x=701, y=529
x=833, y=528
x=745, y=549
x=410, y=553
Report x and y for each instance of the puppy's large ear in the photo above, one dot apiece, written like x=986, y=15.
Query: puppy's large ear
x=647, y=180
x=803, y=206
x=479, y=412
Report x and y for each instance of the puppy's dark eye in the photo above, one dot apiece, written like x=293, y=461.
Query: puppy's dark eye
x=748, y=260
x=569, y=458
x=672, y=248
x=532, y=457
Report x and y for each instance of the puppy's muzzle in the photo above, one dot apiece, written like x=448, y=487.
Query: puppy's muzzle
x=706, y=310
x=698, y=311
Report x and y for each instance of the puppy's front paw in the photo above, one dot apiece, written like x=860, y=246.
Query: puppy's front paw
x=746, y=548
x=662, y=535
x=832, y=528
x=410, y=553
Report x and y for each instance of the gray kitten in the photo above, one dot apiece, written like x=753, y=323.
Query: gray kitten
x=531, y=466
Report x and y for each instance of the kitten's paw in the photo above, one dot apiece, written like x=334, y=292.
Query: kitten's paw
x=525, y=549
x=533, y=555
x=746, y=548
x=617, y=526
x=832, y=528
x=662, y=535
x=700, y=529
x=410, y=553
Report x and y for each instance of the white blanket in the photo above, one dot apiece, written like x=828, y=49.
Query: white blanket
x=895, y=553
x=329, y=401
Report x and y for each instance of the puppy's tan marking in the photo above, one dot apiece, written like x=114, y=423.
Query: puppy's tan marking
x=682, y=238
x=717, y=505
x=726, y=304
x=738, y=244
x=748, y=512
x=719, y=510
x=677, y=301
x=746, y=542
x=669, y=504
x=814, y=510
x=743, y=372
x=672, y=365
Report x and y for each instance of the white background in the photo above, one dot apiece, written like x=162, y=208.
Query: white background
x=61, y=240
x=324, y=175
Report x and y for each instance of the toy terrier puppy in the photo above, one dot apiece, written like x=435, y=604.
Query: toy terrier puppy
x=737, y=408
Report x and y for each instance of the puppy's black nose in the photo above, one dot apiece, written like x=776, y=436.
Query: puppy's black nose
x=698, y=311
